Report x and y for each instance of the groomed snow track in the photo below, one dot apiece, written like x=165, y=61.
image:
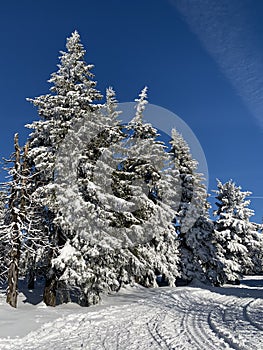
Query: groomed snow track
x=185, y=318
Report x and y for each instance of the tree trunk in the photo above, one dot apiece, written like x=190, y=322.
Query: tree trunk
x=14, y=253
x=31, y=273
x=31, y=279
x=49, y=295
x=12, y=292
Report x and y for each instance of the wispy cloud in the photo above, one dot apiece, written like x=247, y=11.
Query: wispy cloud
x=227, y=32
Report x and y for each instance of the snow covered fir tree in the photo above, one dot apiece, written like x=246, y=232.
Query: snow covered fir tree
x=195, y=230
x=239, y=243
x=92, y=205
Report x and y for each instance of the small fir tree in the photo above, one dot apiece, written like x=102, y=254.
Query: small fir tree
x=192, y=189
x=198, y=252
x=236, y=235
x=195, y=231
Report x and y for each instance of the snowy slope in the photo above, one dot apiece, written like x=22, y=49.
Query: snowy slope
x=194, y=318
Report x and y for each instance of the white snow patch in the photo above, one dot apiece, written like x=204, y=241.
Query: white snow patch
x=193, y=317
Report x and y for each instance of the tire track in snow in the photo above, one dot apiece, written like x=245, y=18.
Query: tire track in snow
x=199, y=332
x=190, y=323
x=195, y=321
x=257, y=315
x=223, y=334
x=168, y=319
x=153, y=327
x=165, y=327
x=201, y=304
x=230, y=322
x=167, y=332
x=230, y=329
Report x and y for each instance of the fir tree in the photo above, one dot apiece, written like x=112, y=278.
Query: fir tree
x=236, y=235
x=192, y=189
x=73, y=95
x=198, y=252
x=195, y=230
x=256, y=253
x=127, y=183
x=89, y=205
x=146, y=175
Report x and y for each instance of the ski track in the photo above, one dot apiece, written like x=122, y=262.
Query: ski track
x=170, y=319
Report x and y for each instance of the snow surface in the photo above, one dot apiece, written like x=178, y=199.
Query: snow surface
x=193, y=317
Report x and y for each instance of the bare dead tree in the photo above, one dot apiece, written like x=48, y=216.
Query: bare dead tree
x=15, y=228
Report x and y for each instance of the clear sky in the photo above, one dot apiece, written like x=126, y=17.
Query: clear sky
x=201, y=59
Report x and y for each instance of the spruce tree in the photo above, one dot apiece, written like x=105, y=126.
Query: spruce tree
x=73, y=95
x=146, y=175
x=198, y=252
x=78, y=153
x=88, y=208
x=129, y=192
x=256, y=252
x=236, y=235
x=192, y=189
x=194, y=229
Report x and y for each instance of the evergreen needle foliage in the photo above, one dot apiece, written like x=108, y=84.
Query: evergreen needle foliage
x=92, y=205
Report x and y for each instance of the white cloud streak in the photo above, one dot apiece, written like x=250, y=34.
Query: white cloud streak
x=227, y=32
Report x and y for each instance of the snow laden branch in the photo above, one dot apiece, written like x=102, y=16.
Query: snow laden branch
x=93, y=205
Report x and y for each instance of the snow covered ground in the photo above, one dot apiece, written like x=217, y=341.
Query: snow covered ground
x=193, y=317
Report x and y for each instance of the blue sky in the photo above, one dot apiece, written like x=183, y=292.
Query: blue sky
x=201, y=59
